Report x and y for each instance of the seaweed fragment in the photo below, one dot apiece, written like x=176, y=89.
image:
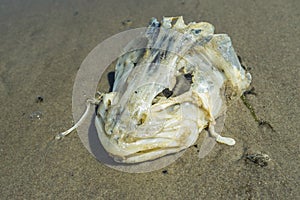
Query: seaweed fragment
x=260, y=122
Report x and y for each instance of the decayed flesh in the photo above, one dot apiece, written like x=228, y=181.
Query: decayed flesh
x=165, y=94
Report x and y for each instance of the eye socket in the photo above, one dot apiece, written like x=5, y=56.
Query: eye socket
x=196, y=31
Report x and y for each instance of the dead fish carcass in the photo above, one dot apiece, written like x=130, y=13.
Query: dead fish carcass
x=165, y=94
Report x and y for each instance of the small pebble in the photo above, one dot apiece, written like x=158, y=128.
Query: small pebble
x=39, y=99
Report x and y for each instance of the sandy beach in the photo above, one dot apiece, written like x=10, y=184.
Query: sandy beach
x=42, y=45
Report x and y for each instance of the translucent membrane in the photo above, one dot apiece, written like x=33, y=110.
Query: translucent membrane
x=93, y=68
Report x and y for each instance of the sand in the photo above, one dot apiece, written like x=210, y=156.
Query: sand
x=43, y=44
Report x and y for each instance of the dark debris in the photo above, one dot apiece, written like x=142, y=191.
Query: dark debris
x=250, y=92
x=39, y=99
x=259, y=159
x=126, y=22
x=167, y=92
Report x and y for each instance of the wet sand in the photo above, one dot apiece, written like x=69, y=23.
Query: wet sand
x=42, y=46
